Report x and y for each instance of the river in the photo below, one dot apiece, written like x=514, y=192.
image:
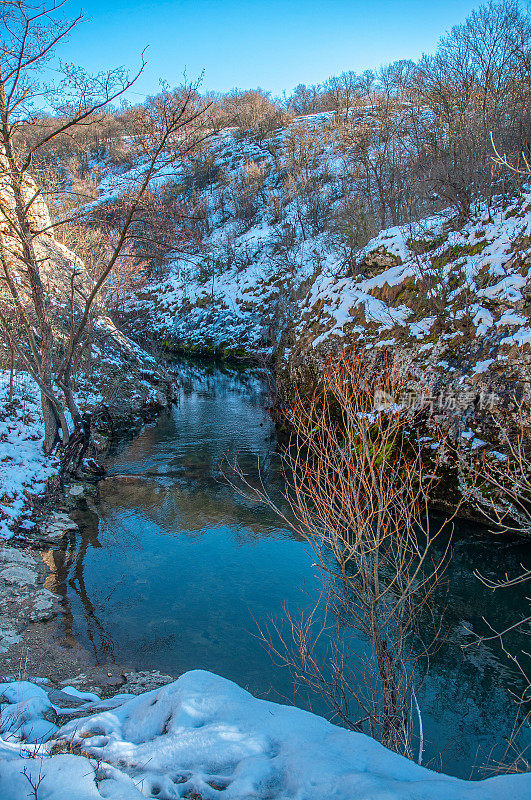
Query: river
x=174, y=570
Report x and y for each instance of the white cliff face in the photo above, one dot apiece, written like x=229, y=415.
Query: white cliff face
x=60, y=269
x=38, y=213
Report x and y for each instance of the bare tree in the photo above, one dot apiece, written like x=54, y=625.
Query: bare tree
x=164, y=132
x=306, y=99
x=478, y=81
x=343, y=93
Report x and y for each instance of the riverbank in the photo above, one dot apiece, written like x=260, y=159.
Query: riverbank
x=204, y=737
x=35, y=634
x=126, y=580
x=122, y=392
x=446, y=302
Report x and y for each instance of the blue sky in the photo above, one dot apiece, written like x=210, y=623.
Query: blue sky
x=275, y=44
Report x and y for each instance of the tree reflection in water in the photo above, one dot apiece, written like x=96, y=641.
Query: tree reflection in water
x=66, y=580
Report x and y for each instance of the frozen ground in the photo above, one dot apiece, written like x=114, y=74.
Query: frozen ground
x=121, y=375
x=485, y=263
x=204, y=737
x=256, y=274
x=23, y=466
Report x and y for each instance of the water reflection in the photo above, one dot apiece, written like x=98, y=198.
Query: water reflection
x=66, y=579
x=175, y=569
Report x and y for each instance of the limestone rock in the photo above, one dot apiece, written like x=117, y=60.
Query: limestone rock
x=378, y=260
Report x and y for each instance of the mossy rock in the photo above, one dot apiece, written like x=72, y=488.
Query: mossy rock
x=421, y=246
x=456, y=251
x=378, y=260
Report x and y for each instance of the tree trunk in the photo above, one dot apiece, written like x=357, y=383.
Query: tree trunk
x=51, y=425
x=11, y=372
x=69, y=397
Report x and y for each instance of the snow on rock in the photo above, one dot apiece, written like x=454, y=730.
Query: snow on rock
x=203, y=736
x=454, y=306
x=487, y=261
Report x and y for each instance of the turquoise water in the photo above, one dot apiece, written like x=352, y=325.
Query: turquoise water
x=176, y=571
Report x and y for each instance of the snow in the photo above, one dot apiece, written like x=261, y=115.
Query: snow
x=73, y=692
x=484, y=253
x=255, y=274
x=483, y=320
x=24, y=468
x=474, y=441
x=511, y=319
x=421, y=329
x=204, y=735
x=27, y=713
x=482, y=366
x=23, y=465
x=507, y=289
x=520, y=337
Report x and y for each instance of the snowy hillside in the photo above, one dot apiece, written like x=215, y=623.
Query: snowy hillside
x=274, y=257
x=268, y=207
x=23, y=465
x=204, y=737
x=276, y=275
x=453, y=308
x=423, y=280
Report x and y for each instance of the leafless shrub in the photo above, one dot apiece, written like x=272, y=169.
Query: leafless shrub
x=358, y=494
x=33, y=782
x=253, y=111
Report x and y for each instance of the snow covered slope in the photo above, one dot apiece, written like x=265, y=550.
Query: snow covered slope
x=452, y=306
x=422, y=280
x=273, y=275
x=275, y=256
x=263, y=240
x=203, y=737
x=23, y=466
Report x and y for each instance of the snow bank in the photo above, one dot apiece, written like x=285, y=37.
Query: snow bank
x=23, y=465
x=203, y=736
